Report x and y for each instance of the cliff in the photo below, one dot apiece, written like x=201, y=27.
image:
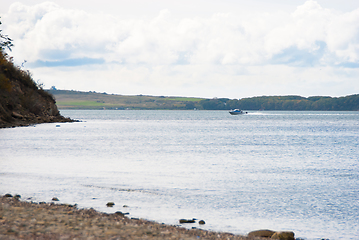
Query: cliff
x=22, y=101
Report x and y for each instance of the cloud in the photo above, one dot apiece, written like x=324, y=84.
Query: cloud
x=57, y=34
x=48, y=32
x=295, y=56
x=166, y=50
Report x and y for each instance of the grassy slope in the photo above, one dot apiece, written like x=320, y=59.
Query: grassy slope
x=22, y=101
x=91, y=100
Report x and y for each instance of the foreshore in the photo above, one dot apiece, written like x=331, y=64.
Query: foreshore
x=28, y=220
x=24, y=121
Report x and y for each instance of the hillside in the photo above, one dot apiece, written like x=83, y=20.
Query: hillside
x=91, y=100
x=22, y=102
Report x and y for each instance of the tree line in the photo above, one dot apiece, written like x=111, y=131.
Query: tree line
x=289, y=103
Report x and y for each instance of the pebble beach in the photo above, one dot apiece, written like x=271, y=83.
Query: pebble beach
x=28, y=220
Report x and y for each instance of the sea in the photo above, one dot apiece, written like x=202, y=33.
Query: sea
x=280, y=170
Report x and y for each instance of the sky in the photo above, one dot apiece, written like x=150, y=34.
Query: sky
x=197, y=48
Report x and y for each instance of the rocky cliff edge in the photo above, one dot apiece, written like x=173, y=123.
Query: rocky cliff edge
x=22, y=101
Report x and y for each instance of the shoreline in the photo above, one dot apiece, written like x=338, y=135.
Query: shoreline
x=25, y=121
x=29, y=220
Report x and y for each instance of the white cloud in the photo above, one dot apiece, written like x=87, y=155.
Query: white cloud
x=343, y=36
x=172, y=55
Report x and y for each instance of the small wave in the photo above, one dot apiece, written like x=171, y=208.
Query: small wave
x=122, y=189
x=351, y=176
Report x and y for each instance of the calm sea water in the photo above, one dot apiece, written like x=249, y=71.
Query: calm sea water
x=293, y=171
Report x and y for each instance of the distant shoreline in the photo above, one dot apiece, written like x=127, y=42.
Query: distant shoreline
x=66, y=99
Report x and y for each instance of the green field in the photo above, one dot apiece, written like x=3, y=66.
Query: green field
x=91, y=100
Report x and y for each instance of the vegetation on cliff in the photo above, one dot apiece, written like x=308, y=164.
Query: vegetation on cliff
x=22, y=101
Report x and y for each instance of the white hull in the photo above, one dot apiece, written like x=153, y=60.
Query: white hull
x=236, y=112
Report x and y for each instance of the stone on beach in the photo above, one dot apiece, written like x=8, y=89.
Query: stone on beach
x=17, y=196
x=110, y=204
x=261, y=233
x=187, y=220
x=265, y=233
x=121, y=213
x=283, y=235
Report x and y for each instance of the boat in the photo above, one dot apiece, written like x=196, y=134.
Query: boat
x=236, y=112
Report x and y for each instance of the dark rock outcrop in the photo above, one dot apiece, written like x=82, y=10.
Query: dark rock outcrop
x=283, y=235
x=261, y=233
x=265, y=233
x=22, y=101
x=187, y=220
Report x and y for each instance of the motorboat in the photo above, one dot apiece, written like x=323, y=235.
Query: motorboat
x=236, y=112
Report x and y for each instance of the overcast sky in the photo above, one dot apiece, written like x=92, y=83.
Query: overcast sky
x=199, y=48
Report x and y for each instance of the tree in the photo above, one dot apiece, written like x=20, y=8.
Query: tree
x=5, y=41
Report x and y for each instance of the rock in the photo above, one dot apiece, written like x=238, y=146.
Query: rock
x=17, y=197
x=8, y=195
x=261, y=233
x=121, y=213
x=55, y=199
x=110, y=204
x=187, y=220
x=202, y=222
x=70, y=205
x=283, y=236
x=17, y=115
